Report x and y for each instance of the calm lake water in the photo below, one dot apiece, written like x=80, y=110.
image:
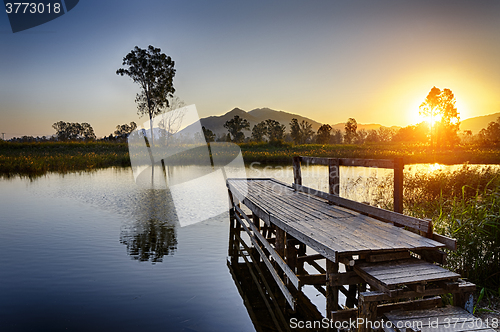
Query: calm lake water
x=94, y=252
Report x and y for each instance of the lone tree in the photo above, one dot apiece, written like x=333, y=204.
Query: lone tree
x=154, y=72
x=444, y=122
x=235, y=127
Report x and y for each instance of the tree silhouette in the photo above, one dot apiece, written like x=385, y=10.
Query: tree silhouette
x=209, y=135
x=323, y=136
x=444, y=118
x=235, y=126
x=259, y=131
x=154, y=72
x=275, y=130
x=68, y=131
x=295, y=131
x=122, y=131
x=350, y=130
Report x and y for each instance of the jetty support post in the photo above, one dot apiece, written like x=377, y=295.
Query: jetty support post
x=332, y=292
x=297, y=174
x=334, y=176
x=398, y=185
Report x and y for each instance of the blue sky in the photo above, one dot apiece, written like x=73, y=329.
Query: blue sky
x=328, y=60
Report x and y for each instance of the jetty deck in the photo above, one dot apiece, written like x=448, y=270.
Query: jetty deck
x=390, y=261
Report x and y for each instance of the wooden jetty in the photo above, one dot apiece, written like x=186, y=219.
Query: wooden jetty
x=382, y=261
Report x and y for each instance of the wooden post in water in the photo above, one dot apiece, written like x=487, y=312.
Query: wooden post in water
x=334, y=176
x=332, y=292
x=367, y=313
x=398, y=185
x=297, y=175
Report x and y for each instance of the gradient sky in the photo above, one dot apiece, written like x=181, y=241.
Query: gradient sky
x=327, y=60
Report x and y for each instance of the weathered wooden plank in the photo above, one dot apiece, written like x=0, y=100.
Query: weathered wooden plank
x=279, y=281
x=312, y=279
x=388, y=257
x=256, y=234
x=310, y=258
x=334, y=176
x=388, y=275
x=439, y=319
x=419, y=304
x=411, y=222
x=367, y=311
x=344, y=315
x=449, y=242
x=377, y=296
x=346, y=278
x=297, y=175
x=302, y=218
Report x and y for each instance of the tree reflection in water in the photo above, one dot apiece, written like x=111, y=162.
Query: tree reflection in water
x=152, y=235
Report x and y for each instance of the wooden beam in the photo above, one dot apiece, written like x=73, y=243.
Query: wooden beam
x=367, y=311
x=297, y=174
x=448, y=242
x=420, y=304
x=279, y=281
x=316, y=266
x=344, y=315
x=377, y=296
x=256, y=235
x=310, y=258
x=312, y=279
x=332, y=292
x=388, y=257
x=433, y=256
x=334, y=176
x=346, y=278
x=398, y=186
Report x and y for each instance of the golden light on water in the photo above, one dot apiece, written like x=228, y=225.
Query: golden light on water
x=435, y=167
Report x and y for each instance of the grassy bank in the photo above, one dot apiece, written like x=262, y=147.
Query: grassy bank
x=411, y=153
x=39, y=158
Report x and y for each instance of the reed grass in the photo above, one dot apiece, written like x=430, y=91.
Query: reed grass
x=39, y=158
x=464, y=204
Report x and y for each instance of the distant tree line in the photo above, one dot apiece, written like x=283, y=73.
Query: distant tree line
x=272, y=131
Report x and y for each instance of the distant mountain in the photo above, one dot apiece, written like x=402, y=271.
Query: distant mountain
x=216, y=123
x=477, y=123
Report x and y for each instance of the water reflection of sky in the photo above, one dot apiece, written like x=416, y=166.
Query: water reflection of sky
x=65, y=264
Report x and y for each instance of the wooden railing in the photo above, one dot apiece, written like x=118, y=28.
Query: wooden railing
x=334, y=172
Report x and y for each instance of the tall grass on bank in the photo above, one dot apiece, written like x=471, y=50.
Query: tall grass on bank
x=39, y=158
x=464, y=204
